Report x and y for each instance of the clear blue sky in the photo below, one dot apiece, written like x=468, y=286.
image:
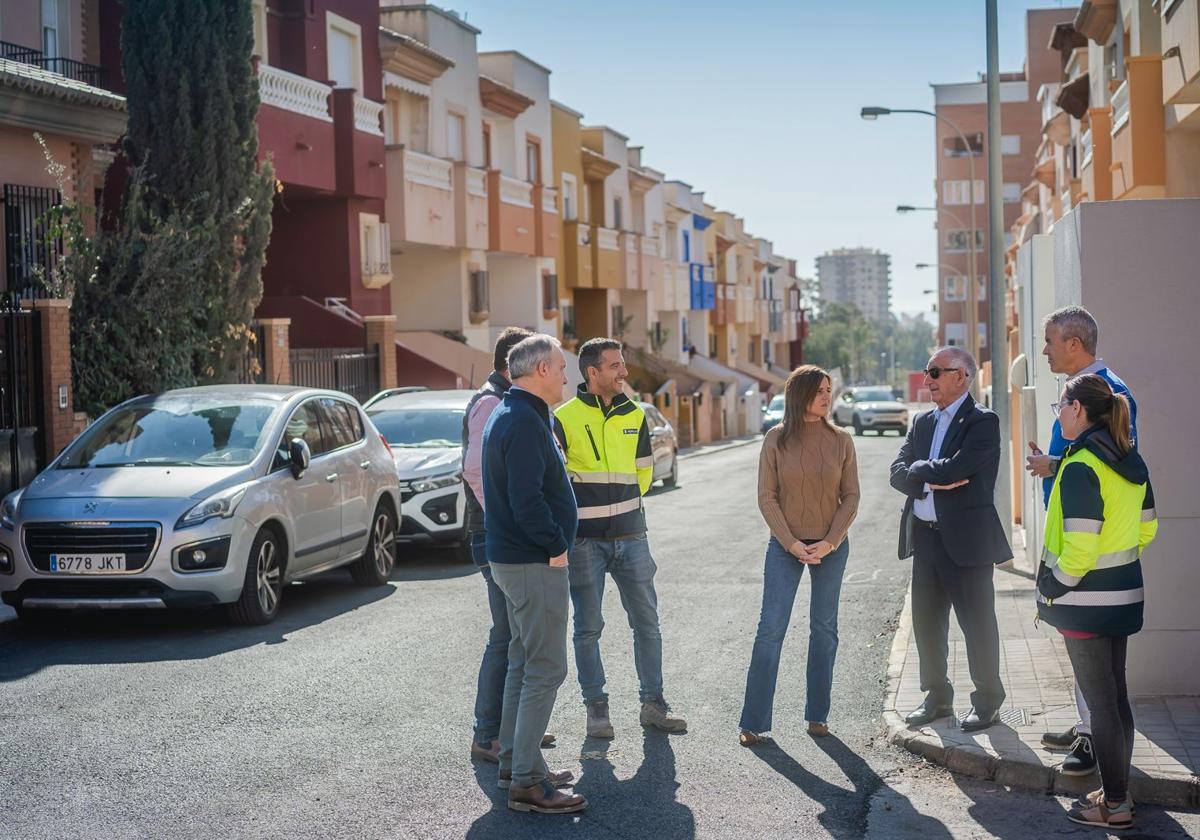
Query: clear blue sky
x=756, y=102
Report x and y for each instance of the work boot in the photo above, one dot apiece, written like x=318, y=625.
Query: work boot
x=562, y=778
x=1082, y=759
x=543, y=798
x=598, y=724
x=655, y=713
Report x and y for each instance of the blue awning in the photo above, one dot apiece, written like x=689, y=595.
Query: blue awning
x=700, y=222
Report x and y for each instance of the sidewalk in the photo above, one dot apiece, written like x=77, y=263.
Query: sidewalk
x=717, y=446
x=1037, y=676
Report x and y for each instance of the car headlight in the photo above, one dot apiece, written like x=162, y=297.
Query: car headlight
x=436, y=482
x=221, y=505
x=8, y=510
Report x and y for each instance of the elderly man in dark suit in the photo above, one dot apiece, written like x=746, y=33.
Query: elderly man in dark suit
x=947, y=469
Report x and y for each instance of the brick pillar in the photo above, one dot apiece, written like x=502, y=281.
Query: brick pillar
x=381, y=336
x=277, y=364
x=58, y=413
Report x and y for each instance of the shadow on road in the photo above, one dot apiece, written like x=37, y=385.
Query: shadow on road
x=845, y=813
x=643, y=805
x=108, y=637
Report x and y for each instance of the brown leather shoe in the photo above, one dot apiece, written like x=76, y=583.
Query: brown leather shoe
x=547, y=740
x=817, y=729
x=489, y=754
x=562, y=778
x=543, y=798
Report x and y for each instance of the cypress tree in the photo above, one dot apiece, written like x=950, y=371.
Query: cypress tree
x=192, y=99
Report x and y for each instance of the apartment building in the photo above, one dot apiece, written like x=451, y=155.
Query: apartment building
x=1109, y=223
x=861, y=277
x=52, y=84
x=961, y=181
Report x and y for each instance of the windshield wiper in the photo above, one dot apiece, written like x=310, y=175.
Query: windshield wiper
x=147, y=462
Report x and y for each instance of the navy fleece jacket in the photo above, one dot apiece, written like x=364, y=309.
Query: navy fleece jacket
x=529, y=506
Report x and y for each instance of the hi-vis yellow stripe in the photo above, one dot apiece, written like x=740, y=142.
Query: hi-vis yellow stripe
x=605, y=511
x=602, y=478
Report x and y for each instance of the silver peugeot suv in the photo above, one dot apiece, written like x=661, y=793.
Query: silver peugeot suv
x=204, y=496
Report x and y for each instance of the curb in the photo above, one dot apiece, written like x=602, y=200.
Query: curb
x=974, y=760
x=709, y=449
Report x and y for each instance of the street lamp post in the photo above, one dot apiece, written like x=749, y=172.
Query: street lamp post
x=872, y=113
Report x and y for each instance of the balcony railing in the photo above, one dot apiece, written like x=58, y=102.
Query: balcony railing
x=1120, y=106
x=549, y=200
x=298, y=94
x=607, y=239
x=88, y=74
x=476, y=182
x=1085, y=148
x=650, y=246
x=515, y=192
x=429, y=171
x=368, y=116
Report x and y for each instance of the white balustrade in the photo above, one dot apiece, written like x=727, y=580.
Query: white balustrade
x=368, y=116
x=549, y=200
x=1120, y=107
x=428, y=170
x=476, y=182
x=515, y=192
x=607, y=239
x=1085, y=147
x=650, y=246
x=297, y=94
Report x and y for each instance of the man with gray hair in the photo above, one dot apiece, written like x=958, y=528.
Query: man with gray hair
x=1072, y=335
x=530, y=518
x=947, y=470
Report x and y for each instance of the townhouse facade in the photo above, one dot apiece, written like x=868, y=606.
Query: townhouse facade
x=1108, y=220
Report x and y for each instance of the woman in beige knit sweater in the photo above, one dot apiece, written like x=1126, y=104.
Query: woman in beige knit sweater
x=808, y=494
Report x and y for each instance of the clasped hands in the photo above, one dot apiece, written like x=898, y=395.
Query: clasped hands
x=810, y=554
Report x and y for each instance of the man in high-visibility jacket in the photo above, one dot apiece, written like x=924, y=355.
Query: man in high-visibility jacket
x=606, y=443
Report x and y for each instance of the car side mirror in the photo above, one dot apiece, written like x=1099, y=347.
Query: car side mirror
x=301, y=456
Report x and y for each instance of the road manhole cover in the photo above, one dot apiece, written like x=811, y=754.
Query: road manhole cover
x=1015, y=717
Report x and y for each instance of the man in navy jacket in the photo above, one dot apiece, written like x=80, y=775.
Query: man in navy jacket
x=530, y=518
x=947, y=469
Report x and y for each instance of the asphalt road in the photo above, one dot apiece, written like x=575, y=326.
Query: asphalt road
x=350, y=716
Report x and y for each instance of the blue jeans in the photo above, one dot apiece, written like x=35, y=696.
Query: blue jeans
x=632, y=569
x=489, y=693
x=780, y=581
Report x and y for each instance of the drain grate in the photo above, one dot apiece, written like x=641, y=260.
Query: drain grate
x=1015, y=717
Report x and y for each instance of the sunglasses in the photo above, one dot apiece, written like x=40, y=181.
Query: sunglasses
x=936, y=372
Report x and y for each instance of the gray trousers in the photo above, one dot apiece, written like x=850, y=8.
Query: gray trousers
x=537, y=597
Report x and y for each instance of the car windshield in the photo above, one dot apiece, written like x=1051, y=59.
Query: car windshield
x=175, y=431
x=412, y=427
x=873, y=395
x=776, y=403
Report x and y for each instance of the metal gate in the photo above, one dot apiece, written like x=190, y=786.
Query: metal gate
x=349, y=369
x=21, y=406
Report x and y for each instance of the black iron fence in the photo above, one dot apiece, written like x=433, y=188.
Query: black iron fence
x=21, y=405
x=254, y=361
x=28, y=249
x=88, y=74
x=350, y=369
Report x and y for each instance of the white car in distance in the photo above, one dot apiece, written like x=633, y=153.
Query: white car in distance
x=424, y=430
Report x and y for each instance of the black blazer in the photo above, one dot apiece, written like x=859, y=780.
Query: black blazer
x=971, y=529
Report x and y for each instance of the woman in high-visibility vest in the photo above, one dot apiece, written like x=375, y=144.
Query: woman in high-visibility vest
x=1100, y=518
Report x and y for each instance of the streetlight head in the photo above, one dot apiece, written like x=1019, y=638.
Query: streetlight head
x=870, y=113
x=905, y=208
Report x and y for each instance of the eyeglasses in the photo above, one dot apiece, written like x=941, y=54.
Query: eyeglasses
x=936, y=372
x=1058, y=406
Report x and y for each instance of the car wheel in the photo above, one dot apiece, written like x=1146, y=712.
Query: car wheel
x=377, y=562
x=858, y=427
x=262, y=588
x=672, y=477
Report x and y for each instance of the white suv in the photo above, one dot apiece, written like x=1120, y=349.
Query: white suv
x=424, y=429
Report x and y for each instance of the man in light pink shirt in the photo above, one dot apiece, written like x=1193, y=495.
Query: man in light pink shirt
x=489, y=697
